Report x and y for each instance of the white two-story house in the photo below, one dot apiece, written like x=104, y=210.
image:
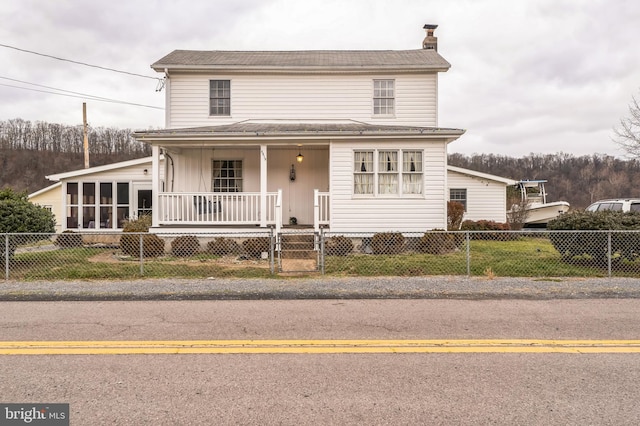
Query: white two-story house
x=347, y=140
x=344, y=139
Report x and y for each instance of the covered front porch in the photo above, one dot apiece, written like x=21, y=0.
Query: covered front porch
x=223, y=185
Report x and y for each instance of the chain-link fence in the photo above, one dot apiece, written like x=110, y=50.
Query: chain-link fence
x=538, y=253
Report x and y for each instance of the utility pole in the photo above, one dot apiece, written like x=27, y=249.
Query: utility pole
x=86, y=136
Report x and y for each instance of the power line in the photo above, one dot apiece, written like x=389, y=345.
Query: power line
x=52, y=88
x=81, y=63
x=83, y=96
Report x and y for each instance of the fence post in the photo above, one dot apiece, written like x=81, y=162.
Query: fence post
x=609, y=253
x=6, y=257
x=468, y=254
x=321, y=254
x=141, y=255
x=272, y=244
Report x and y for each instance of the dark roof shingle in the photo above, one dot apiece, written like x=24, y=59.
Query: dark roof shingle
x=419, y=59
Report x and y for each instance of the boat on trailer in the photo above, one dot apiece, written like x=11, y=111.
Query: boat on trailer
x=534, y=199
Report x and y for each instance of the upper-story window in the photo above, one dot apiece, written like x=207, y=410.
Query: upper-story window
x=383, y=97
x=219, y=97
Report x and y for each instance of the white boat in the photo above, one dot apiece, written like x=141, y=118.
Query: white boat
x=538, y=212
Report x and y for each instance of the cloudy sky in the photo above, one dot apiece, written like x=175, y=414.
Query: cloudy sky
x=541, y=76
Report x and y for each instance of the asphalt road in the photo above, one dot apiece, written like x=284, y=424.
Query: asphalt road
x=331, y=388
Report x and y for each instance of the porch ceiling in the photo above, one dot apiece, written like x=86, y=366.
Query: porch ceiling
x=256, y=133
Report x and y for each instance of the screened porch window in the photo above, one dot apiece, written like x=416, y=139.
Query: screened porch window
x=227, y=176
x=91, y=205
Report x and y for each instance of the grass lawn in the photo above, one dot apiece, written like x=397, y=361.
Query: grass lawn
x=98, y=263
x=525, y=257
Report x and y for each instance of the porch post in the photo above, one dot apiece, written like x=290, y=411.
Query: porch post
x=263, y=186
x=155, y=185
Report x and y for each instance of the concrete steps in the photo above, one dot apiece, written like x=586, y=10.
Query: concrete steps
x=297, y=253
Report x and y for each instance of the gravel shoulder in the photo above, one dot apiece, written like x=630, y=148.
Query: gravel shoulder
x=430, y=287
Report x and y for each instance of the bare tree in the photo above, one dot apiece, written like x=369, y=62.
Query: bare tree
x=628, y=133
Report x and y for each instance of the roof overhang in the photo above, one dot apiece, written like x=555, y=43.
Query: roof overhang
x=481, y=175
x=252, y=133
x=99, y=169
x=45, y=190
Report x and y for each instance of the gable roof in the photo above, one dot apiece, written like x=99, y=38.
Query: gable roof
x=481, y=175
x=98, y=169
x=304, y=60
x=45, y=190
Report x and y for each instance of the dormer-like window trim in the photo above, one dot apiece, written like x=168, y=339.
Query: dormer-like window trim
x=219, y=97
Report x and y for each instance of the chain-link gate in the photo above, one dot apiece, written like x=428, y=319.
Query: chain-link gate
x=298, y=251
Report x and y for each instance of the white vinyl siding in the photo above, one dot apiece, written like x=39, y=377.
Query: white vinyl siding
x=299, y=97
x=352, y=213
x=486, y=199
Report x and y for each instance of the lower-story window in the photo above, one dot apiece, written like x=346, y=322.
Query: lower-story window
x=388, y=173
x=227, y=176
x=459, y=195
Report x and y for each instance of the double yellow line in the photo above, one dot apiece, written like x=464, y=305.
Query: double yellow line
x=317, y=346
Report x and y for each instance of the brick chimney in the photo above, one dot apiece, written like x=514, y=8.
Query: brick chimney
x=430, y=41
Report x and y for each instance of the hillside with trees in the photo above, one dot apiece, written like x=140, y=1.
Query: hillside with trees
x=29, y=151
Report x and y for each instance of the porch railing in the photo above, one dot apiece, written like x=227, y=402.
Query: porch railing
x=208, y=208
x=320, y=209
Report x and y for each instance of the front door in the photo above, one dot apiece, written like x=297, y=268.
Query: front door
x=298, y=180
x=142, y=199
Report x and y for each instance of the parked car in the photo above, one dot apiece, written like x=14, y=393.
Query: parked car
x=619, y=205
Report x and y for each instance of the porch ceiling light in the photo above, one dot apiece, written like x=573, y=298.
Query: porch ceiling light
x=299, y=157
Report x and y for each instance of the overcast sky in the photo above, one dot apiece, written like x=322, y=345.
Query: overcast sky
x=541, y=76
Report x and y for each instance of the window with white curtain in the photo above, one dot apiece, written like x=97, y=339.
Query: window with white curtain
x=412, y=172
x=393, y=173
x=387, y=172
x=363, y=172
